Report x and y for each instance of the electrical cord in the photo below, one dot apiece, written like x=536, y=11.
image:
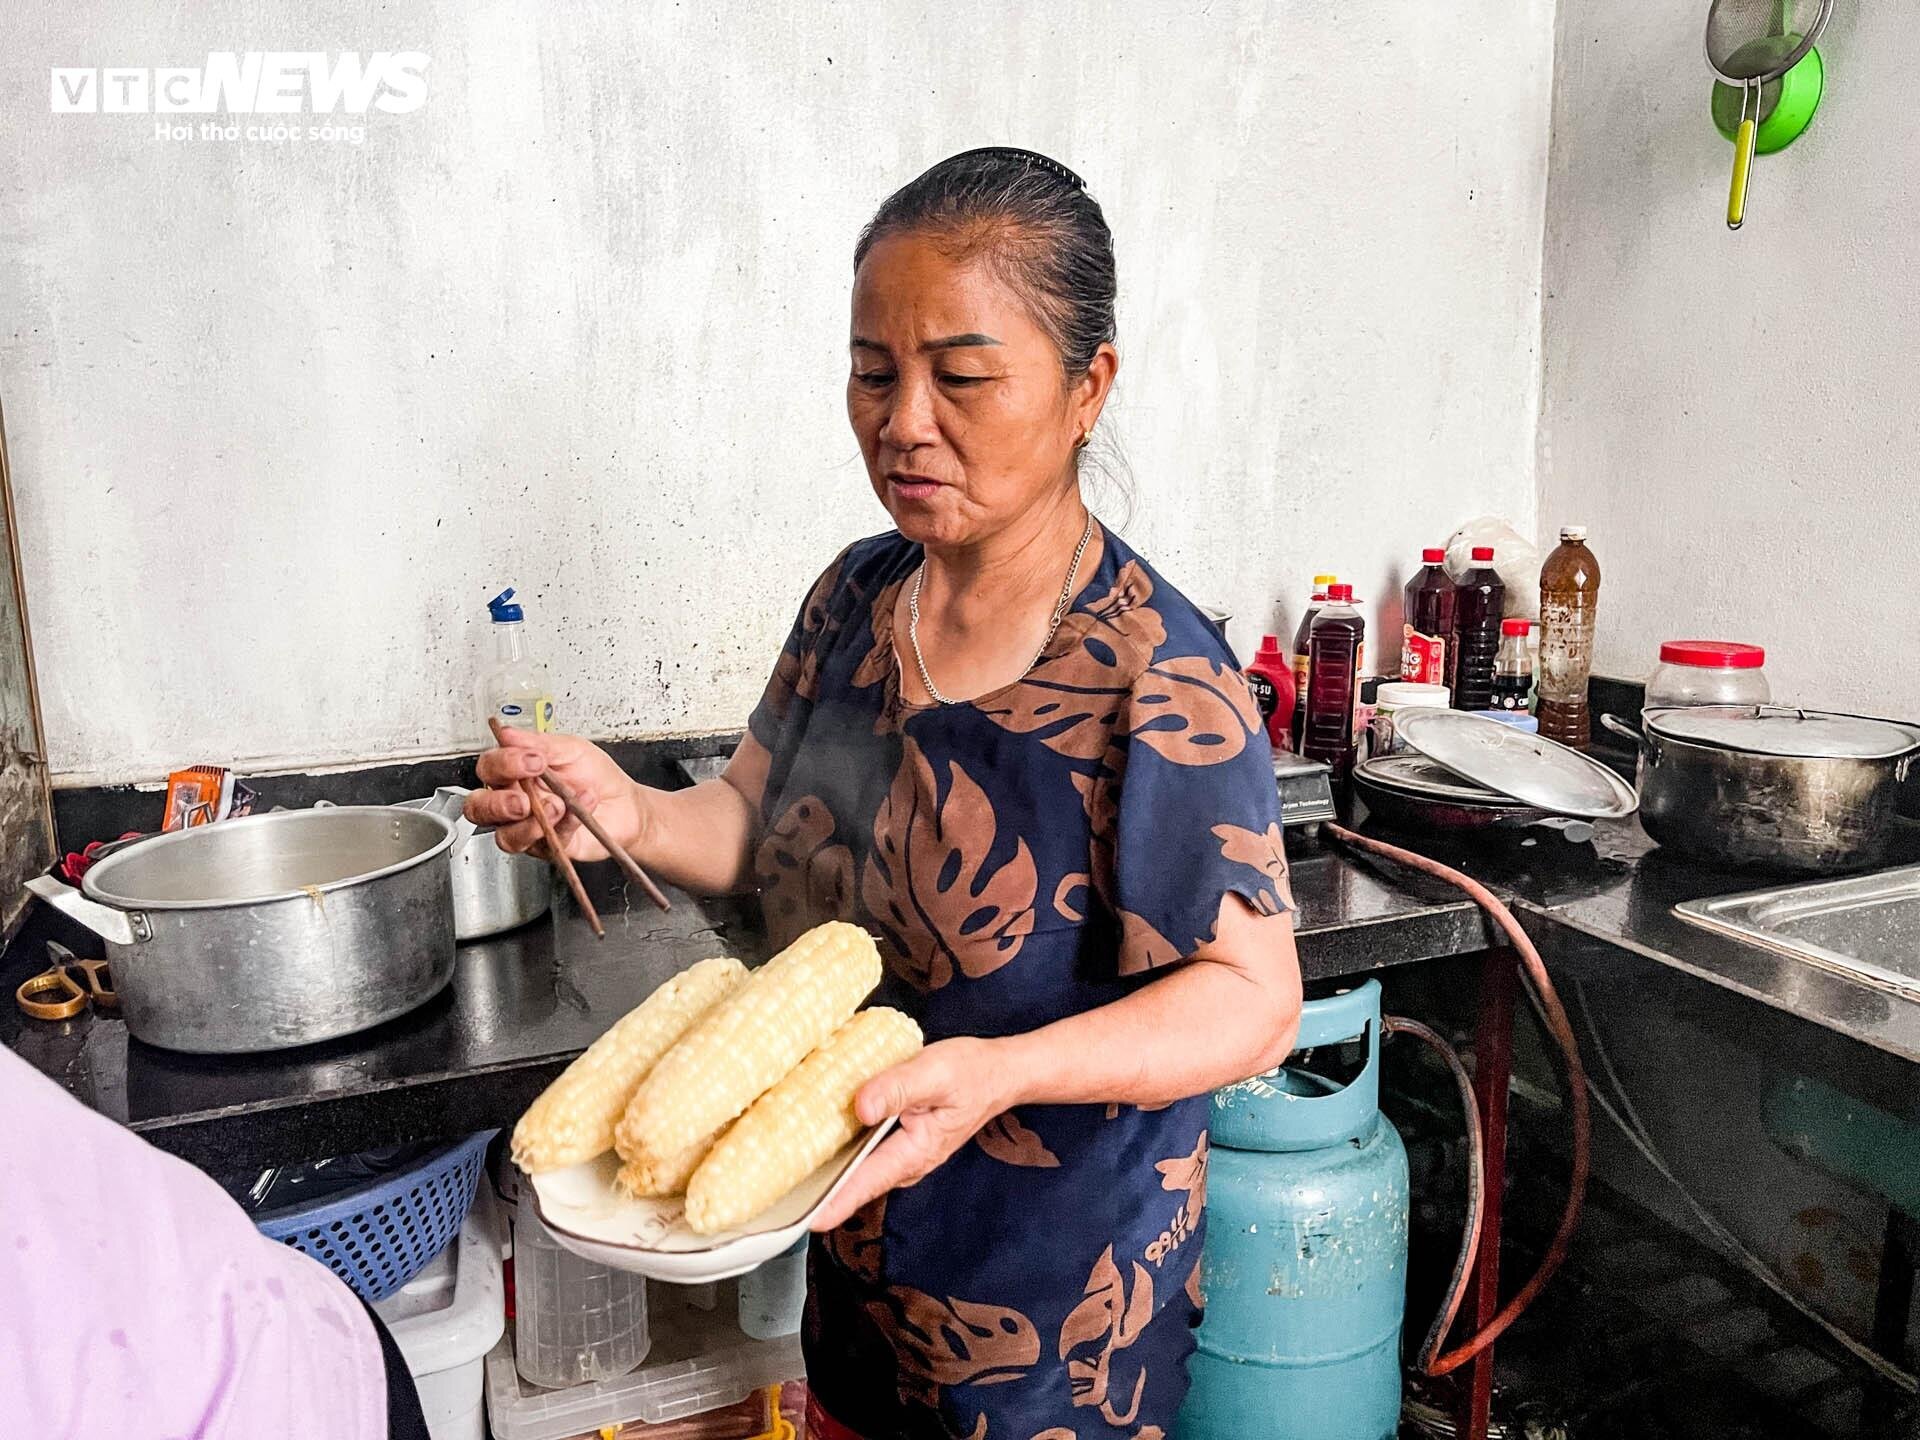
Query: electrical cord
x=1540, y=987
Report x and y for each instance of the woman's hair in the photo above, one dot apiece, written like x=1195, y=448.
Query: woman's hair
x=1034, y=222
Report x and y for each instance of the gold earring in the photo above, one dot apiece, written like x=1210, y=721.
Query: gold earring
x=1085, y=437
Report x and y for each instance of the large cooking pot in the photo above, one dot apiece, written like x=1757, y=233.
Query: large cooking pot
x=1798, y=791
x=274, y=930
x=492, y=890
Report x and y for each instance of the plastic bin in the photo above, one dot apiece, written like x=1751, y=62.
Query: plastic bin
x=448, y=1317
x=774, y=1295
x=574, y=1322
x=699, y=1362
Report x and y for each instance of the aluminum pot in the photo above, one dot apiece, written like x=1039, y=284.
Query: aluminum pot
x=274, y=930
x=1795, y=791
x=492, y=890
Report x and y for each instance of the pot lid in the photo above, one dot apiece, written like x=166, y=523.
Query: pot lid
x=1423, y=779
x=1772, y=730
x=1525, y=767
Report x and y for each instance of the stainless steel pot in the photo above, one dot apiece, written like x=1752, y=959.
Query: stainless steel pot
x=1797, y=791
x=275, y=930
x=492, y=890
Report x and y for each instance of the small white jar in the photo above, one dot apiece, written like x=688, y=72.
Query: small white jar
x=1394, y=696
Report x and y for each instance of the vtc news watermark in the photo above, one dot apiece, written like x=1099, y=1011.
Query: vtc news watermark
x=279, y=84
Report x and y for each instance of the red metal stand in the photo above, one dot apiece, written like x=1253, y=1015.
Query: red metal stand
x=1492, y=1070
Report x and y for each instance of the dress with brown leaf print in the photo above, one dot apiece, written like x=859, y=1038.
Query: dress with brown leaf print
x=1021, y=857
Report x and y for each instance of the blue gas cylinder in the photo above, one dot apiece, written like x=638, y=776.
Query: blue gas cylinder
x=1304, y=1270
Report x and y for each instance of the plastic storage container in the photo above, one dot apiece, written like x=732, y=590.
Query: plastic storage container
x=448, y=1317
x=700, y=1362
x=773, y=1296
x=574, y=1322
x=1708, y=672
x=1389, y=700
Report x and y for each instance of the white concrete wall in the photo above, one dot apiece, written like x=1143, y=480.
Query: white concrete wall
x=1736, y=415
x=578, y=324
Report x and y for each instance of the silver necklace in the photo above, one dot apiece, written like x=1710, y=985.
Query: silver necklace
x=1053, y=626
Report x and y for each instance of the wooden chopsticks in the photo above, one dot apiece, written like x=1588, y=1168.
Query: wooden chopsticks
x=594, y=828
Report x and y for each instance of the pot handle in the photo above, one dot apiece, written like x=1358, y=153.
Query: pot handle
x=1622, y=729
x=116, y=927
x=1642, y=741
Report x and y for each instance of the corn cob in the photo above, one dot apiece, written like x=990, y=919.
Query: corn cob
x=748, y=1042
x=574, y=1118
x=798, y=1125
x=647, y=1177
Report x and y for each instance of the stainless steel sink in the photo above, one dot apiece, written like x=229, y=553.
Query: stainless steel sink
x=1866, y=927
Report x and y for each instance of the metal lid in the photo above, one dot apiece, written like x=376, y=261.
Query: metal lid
x=1517, y=763
x=1417, y=776
x=1772, y=730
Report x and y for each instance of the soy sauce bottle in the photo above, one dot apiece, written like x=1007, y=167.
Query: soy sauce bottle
x=1333, y=680
x=1513, y=667
x=1482, y=599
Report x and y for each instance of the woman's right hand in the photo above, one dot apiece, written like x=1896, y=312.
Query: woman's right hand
x=597, y=782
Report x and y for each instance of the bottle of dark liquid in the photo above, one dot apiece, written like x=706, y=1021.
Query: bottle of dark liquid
x=1427, y=631
x=1569, y=596
x=1480, y=600
x=1513, y=667
x=1302, y=661
x=1333, y=680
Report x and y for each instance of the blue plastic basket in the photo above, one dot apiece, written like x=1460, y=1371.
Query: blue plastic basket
x=379, y=1237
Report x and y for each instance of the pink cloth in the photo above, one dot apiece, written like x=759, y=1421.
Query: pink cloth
x=138, y=1302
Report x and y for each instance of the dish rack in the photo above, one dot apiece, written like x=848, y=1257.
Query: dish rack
x=380, y=1236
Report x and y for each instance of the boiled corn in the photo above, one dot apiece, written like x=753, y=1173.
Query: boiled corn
x=648, y=1177
x=749, y=1042
x=798, y=1125
x=573, y=1120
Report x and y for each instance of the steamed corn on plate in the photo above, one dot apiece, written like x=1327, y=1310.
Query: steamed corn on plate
x=575, y=1117
x=728, y=1086
x=798, y=1124
x=647, y=1178
x=748, y=1043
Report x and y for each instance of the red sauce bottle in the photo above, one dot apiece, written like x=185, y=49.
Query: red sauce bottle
x=1270, y=677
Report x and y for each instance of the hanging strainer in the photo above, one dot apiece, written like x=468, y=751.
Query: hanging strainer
x=1752, y=44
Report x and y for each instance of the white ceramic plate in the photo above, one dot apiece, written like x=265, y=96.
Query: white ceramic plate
x=593, y=1218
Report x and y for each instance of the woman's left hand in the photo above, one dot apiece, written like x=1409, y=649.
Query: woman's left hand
x=943, y=1096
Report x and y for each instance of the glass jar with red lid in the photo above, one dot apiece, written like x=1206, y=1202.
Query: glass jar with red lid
x=1708, y=672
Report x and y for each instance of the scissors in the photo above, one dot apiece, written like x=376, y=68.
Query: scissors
x=55, y=995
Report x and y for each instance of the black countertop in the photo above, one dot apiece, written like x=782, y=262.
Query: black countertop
x=522, y=1005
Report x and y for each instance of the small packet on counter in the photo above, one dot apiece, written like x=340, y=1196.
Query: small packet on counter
x=198, y=795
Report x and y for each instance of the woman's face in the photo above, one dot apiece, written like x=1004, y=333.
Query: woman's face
x=964, y=417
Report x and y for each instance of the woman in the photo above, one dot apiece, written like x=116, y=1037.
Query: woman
x=175, y=1316
x=997, y=739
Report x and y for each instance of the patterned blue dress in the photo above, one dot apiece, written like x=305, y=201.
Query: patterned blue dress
x=1024, y=856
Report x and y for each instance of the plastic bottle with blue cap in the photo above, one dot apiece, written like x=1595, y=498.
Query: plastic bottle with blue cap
x=514, y=688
